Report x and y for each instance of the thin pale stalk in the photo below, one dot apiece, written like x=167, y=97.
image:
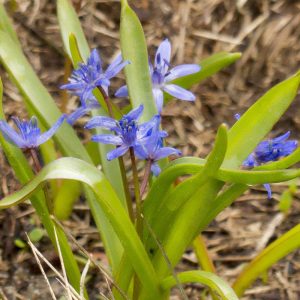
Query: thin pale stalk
x=138, y=216
x=145, y=178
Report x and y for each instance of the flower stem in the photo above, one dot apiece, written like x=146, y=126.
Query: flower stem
x=121, y=160
x=38, y=167
x=107, y=101
x=145, y=178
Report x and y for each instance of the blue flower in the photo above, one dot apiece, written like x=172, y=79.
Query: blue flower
x=127, y=131
x=89, y=76
x=151, y=147
x=161, y=77
x=271, y=150
x=29, y=135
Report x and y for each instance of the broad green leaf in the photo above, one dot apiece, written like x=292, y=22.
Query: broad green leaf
x=162, y=211
x=43, y=106
x=68, y=20
x=258, y=120
x=7, y=26
x=287, y=243
x=134, y=49
x=36, y=234
x=37, y=97
x=206, y=278
x=69, y=191
x=70, y=26
x=24, y=173
x=209, y=66
x=75, y=169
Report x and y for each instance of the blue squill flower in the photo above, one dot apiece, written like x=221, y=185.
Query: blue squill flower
x=270, y=150
x=127, y=131
x=89, y=76
x=151, y=147
x=162, y=77
x=29, y=135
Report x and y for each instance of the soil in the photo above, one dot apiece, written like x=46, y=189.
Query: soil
x=266, y=32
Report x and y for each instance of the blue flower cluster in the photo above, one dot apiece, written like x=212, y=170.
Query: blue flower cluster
x=146, y=139
x=89, y=76
x=162, y=77
x=29, y=135
x=270, y=150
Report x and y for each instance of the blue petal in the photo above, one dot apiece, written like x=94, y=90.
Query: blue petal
x=237, y=116
x=178, y=92
x=11, y=135
x=49, y=133
x=101, y=121
x=122, y=91
x=155, y=168
x=281, y=138
x=95, y=60
x=136, y=113
x=268, y=188
x=250, y=161
x=145, y=129
x=165, y=152
x=159, y=99
x=182, y=70
x=78, y=113
x=117, y=152
x=107, y=139
x=163, y=55
x=72, y=86
x=116, y=66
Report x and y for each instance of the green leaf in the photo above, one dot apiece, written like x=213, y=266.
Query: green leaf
x=281, y=247
x=69, y=191
x=37, y=97
x=20, y=244
x=36, y=234
x=68, y=20
x=7, y=26
x=161, y=211
x=43, y=106
x=134, y=49
x=258, y=120
x=24, y=173
x=209, y=66
x=206, y=278
x=75, y=169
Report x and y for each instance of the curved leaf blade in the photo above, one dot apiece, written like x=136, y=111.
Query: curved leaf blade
x=134, y=49
x=258, y=120
x=281, y=247
x=75, y=169
x=206, y=278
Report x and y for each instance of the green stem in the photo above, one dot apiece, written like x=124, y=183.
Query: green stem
x=38, y=167
x=121, y=161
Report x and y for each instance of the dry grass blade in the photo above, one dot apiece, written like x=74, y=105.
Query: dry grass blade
x=63, y=266
x=2, y=295
x=83, y=276
x=75, y=295
x=102, y=269
x=41, y=267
